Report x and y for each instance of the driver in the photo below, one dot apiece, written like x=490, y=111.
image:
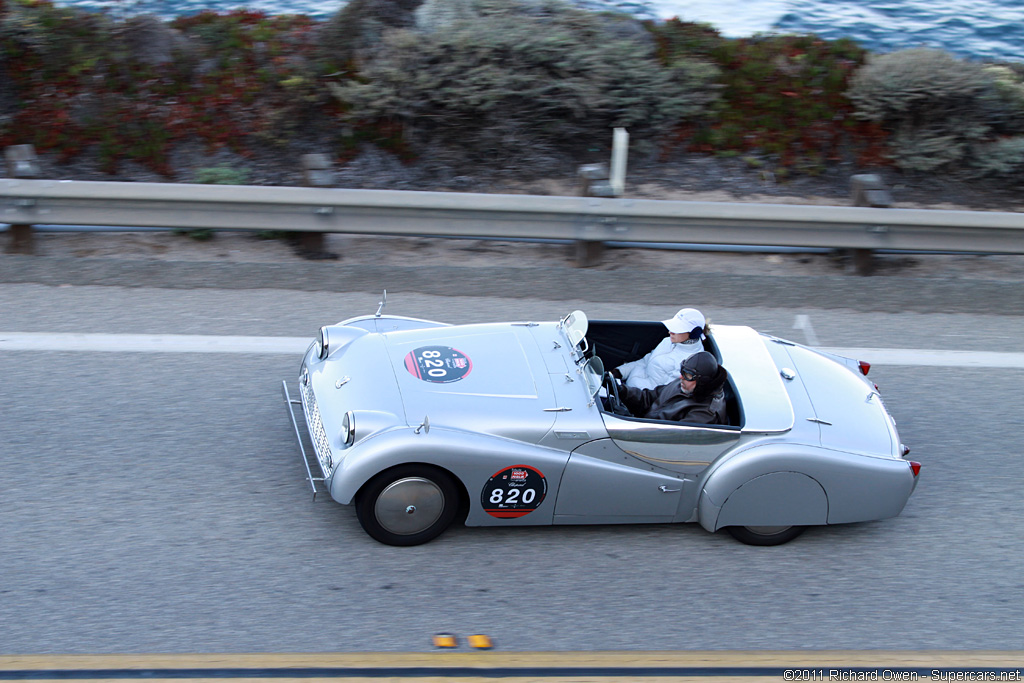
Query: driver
x=685, y=332
x=697, y=396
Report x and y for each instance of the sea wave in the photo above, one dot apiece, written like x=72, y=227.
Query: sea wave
x=978, y=29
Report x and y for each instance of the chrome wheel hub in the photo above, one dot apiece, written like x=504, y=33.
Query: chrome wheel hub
x=409, y=506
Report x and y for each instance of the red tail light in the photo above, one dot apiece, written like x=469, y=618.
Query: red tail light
x=864, y=366
x=915, y=467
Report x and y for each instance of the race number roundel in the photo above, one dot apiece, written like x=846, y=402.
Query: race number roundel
x=514, y=492
x=438, y=364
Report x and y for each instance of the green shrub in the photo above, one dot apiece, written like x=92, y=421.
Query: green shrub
x=1004, y=157
x=680, y=40
x=358, y=26
x=525, y=73
x=1008, y=93
x=132, y=89
x=934, y=106
x=782, y=96
x=438, y=15
x=222, y=175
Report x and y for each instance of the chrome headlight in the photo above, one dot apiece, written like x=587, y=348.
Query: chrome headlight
x=322, y=343
x=348, y=429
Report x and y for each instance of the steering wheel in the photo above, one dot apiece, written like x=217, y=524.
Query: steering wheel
x=612, y=402
x=611, y=385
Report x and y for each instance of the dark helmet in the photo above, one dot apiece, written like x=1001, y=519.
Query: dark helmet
x=702, y=364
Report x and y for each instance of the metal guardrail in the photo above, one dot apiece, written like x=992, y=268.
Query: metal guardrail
x=450, y=214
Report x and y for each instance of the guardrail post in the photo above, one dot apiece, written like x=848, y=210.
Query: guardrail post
x=22, y=162
x=319, y=172
x=868, y=190
x=594, y=182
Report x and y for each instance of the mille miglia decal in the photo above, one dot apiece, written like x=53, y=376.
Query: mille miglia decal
x=514, y=492
x=441, y=364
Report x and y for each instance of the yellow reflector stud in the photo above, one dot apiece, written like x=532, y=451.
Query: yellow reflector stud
x=445, y=640
x=480, y=642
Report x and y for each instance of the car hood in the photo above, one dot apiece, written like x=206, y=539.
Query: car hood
x=491, y=379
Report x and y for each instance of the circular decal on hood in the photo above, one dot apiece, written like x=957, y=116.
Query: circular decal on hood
x=514, y=492
x=438, y=364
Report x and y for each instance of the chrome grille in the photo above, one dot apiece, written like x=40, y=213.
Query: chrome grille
x=321, y=444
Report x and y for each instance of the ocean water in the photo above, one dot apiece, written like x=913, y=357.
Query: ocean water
x=977, y=29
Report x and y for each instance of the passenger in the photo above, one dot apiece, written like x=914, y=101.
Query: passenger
x=661, y=366
x=697, y=396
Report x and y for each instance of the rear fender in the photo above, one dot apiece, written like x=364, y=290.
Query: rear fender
x=849, y=363
x=471, y=458
x=784, y=484
x=775, y=499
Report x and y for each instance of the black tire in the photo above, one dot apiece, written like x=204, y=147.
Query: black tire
x=764, y=535
x=408, y=504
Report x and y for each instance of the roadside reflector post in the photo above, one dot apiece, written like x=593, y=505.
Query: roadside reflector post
x=318, y=172
x=620, y=150
x=868, y=189
x=22, y=162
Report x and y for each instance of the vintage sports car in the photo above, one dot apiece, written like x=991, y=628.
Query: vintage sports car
x=420, y=423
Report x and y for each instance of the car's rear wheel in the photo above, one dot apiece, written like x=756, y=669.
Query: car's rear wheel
x=407, y=505
x=765, y=535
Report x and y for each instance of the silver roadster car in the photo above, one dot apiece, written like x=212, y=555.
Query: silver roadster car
x=420, y=423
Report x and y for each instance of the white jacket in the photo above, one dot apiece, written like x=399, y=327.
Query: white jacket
x=660, y=366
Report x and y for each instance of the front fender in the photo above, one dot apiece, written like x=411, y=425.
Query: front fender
x=390, y=323
x=783, y=484
x=472, y=458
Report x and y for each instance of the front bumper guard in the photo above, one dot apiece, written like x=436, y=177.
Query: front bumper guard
x=290, y=403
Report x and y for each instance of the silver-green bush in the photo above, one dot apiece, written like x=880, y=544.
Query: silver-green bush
x=222, y=175
x=1004, y=157
x=359, y=25
x=523, y=73
x=1008, y=92
x=936, y=107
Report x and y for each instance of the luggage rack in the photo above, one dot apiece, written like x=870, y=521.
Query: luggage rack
x=289, y=403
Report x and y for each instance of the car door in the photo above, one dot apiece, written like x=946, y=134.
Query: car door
x=678, y=446
x=646, y=471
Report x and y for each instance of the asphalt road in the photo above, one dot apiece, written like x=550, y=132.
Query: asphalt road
x=156, y=503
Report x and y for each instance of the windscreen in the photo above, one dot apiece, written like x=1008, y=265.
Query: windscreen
x=594, y=373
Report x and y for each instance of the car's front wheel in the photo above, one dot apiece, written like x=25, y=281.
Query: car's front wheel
x=765, y=535
x=407, y=505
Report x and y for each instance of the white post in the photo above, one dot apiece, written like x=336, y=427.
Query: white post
x=620, y=149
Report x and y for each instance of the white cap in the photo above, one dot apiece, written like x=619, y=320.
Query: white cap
x=684, y=321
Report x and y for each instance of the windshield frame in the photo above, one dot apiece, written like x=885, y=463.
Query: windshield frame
x=593, y=374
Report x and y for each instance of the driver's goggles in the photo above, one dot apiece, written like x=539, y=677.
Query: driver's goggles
x=688, y=376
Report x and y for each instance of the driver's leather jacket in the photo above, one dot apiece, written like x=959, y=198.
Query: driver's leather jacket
x=668, y=402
